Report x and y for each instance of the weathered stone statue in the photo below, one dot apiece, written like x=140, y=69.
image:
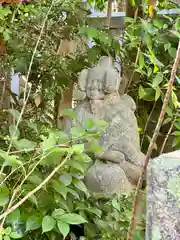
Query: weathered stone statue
x=118, y=167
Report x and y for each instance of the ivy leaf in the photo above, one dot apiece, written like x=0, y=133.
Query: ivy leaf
x=48, y=223
x=66, y=179
x=57, y=213
x=33, y=222
x=60, y=188
x=93, y=146
x=70, y=113
x=157, y=80
x=63, y=228
x=72, y=218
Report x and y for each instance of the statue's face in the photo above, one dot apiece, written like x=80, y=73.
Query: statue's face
x=95, y=85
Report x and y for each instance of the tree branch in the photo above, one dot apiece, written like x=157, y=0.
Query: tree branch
x=11, y=209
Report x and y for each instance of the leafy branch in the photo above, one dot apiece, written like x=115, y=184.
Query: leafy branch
x=153, y=141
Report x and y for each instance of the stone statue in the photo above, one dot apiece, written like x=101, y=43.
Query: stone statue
x=118, y=167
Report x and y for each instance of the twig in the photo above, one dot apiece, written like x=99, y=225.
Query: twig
x=147, y=122
x=3, y=92
x=10, y=210
x=36, y=46
x=26, y=84
x=135, y=65
x=153, y=140
x=167, y=136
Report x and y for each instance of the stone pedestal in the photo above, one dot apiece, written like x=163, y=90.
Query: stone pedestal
x=163, y=197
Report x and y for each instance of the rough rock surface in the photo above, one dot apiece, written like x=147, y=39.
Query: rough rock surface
x=120, y=162
x=163, y=197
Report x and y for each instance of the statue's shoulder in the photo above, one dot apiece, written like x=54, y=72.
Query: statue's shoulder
x=128, y=101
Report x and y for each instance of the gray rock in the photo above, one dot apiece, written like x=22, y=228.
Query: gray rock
x=101, y=100
x=163, y=197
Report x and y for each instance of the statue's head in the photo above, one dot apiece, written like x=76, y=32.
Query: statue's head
x=100, y=80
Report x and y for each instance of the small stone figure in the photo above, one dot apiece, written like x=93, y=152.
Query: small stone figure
x=118, y=167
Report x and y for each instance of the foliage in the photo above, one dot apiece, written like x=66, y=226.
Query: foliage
x=152, y=44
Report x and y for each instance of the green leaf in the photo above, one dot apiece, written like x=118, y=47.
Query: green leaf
x=14, y=113
x=116, y=205
x=74, y=193
x=158, y=23
x=175, y=33
x=33, y=222
x=169, y=111
x=177, y=24
x=57, y=213
x=60, y=188
x=157, y=80
x=89, y=124
x=78, y=148
x=141, y=92
x=63, y=138
x=101, y=123
x=15, y=235
x=77, y=132
x=63, y=228
x=158, y=93
x=7, y=231
x=25, y=144
x=48, y=223
x=93, y=146
x=4, y=195
x=49, y=142
x=7, y=238
x=70, y=113
x=72, y=218
x=76, y=165
x=141, y=61
x=6, y=34
x=14, y=216
x=12, y=161
x=80, y=185
x=174, y=99
x=148, y=41
x=14, y=132
x=172, y=52
x=66, y=179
